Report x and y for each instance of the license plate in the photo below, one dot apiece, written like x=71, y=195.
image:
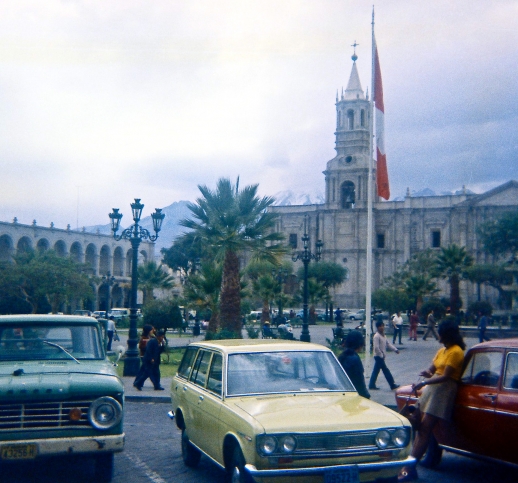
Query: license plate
x=342, y=475
x=19, y=451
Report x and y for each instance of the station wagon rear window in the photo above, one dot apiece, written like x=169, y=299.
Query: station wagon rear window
x=285, y=372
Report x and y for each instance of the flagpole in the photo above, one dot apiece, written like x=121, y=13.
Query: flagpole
x=368, y=307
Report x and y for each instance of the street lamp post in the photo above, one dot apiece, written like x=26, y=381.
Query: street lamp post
x=135, y=234
x=305, y=256
x=279, y=276
x=109, y=280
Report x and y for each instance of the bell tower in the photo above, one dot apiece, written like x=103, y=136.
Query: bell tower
x=346, y=174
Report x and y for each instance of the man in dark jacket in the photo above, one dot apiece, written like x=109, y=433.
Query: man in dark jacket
x=151, y=362
x=351, y=362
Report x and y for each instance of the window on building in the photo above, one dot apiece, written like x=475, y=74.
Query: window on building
x=436, y=239
x=362, y=118
x=381, y=240
x=293, y=240
x=350, y=120
x=348, y=159
x=348, y=197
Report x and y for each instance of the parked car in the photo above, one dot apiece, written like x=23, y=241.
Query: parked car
x=272, y=410
x=485, y=417
x=358, y=315
x=59, y=394
x=86, y=313
x=119, y=313
x=321, y=314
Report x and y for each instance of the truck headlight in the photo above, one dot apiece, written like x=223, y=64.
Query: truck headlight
x=105, y=413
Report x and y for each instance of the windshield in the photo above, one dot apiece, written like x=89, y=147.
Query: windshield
x=47, y=341
x=282, y=372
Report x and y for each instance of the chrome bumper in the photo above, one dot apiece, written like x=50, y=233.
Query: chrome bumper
x=320, y=470
x=78, y=445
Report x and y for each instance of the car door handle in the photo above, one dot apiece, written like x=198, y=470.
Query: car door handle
x=201, y=398
x=185, y=388
x=492, y=396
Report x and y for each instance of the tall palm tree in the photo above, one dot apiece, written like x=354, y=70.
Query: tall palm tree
x=150, y=277
x=231, y=221
x=452, y=262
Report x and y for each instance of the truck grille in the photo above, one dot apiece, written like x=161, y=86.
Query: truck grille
x=42, y=415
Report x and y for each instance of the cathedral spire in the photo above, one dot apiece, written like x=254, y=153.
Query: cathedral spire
x=354, y=88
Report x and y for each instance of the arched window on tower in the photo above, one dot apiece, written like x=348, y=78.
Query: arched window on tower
x=350, y=120
x=362, y=118
x=348, y=195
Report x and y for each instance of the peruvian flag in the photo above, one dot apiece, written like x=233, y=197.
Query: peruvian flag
x=381, y=157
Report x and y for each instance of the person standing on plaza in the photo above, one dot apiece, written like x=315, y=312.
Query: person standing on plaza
x=110, y=331
x=381, y=343
x=482, y=326
x=151, y=362
x=437, y=399
x=338, y=317
x=430, y=326
x=397, y=323
x=351, y=362
x=414, y=323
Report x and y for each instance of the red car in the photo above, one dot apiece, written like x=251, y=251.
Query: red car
x=485, y=418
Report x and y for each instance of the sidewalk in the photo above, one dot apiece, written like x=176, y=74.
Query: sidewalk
x=413, y=357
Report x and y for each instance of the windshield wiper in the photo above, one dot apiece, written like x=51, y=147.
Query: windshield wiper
x=53, y=344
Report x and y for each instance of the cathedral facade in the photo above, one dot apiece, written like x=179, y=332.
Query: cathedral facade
x=400, y=228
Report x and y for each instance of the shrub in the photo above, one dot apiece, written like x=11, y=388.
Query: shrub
x=480, y=306
x=163, y=314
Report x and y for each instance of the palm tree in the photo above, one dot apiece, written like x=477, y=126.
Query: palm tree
x=203, y=290
x=231, y=221
x=150, y=277
x=417, y=287
x=452, y=262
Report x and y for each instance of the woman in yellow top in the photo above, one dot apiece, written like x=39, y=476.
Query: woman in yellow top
x=438, y=397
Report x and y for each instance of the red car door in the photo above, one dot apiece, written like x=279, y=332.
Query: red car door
x=474, y=416
x=507, y=410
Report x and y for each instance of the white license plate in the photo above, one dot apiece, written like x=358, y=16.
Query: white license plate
x=19, y=451
x=342, y=475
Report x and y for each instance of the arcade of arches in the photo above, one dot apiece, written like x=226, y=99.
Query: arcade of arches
x=101, y=253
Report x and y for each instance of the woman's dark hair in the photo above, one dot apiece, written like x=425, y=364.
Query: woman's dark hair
x=354, y=340
x=146, y=330
x=449, y=332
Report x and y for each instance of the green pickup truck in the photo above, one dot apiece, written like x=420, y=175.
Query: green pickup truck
x=59, y=394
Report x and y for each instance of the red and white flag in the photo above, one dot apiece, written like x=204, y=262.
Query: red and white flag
x=381, y=157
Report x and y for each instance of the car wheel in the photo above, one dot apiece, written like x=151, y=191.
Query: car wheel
x=104, y=467
x=236, y=470
x=433, y=454
x=190, y=454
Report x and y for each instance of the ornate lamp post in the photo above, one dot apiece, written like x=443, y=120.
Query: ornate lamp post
x=109, y=280
x=135, y=234
x=305, y=256
x=280, y=276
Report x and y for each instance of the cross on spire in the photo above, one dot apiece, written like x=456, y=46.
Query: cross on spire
x=354, y=56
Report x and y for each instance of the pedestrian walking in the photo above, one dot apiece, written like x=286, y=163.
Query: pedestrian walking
x=482, y=326
x=430, y=326
x=397, y=324
x=151, y=362
x=413, y=323
x=351, y=362
x=380, y=351
x=437, y=400
x=110, y=332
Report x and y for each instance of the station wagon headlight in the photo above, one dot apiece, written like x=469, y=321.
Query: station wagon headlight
x=288, y=444
x=105, y=413
x=268, y=445
x=383, y=439
x=400, y=437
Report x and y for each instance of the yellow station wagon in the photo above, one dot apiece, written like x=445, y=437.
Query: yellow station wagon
x=283, y=411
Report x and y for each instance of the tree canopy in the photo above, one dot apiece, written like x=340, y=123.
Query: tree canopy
x=500, y=236
x=231, y=221
x=150, y=277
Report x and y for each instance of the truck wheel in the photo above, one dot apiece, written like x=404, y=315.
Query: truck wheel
x=104, y=467
x=190, y=454
x=433, y=455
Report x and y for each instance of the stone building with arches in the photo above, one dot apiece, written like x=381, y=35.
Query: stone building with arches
x=101, y=253
x=400, y=227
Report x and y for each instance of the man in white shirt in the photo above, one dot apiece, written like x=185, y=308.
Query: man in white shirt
x=397, y=323
x=380, y=350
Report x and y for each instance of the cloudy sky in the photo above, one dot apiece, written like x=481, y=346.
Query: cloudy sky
x=105, y=101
